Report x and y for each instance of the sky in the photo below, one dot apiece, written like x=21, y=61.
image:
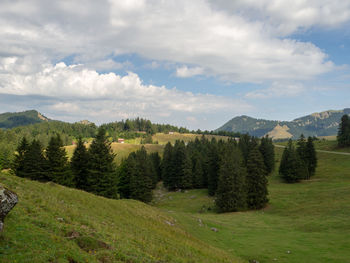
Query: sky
x=195, y=63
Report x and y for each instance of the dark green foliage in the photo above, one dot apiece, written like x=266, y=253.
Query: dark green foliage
x=246, y=144
x=198, y=173
x=231, y=190
x=168, y=172
x=80, y=166
x=136, y=176
x=292, y=169
x=156, y=162
x=18, y=162
x=213, y=167
x=57, y=161
x=256, y=180
x=102, y=169
x=344, y=132
x=311, y=156
x=34, y=163
x=11, y=120
x=267, y=149
x=182, y=167
x=141, y=176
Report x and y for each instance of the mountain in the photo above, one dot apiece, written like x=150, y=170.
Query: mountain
x=317, y=124
x=10, y=120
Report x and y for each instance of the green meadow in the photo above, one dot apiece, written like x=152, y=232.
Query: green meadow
x=304, y=222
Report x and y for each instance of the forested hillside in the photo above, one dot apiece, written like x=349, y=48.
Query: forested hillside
x=317, y=124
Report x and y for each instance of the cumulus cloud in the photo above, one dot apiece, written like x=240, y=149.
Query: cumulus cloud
x=79, y=90
x=287, y=17
x=277, y=90
x=185, y=72
x=231, y=45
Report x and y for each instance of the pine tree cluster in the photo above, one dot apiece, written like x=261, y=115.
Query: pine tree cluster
x=236, y=173
x=91, y=170
x=344, y=132
x=298, y=163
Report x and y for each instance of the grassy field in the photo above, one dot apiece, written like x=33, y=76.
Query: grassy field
x=163, y=138
x=52, y=223
x=304, y=222
x=326, y=143
x=124, y=149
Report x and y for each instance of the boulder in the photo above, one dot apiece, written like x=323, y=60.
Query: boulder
x=8, y=200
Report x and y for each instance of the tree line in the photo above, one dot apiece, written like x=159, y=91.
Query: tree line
x=298, y=163
x=344, y=132
x=236, y=173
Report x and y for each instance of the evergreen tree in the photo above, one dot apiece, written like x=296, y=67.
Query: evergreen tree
x=80, y=166
x=256, y=180
x=156, y=162
x=58, y=169
x=197, y=173
x=303, y=154
x=141, y=177
x=292, y=169
x=311, y=157
x=267, y=150
x=168, y=172
x=101, y=167
x=126, y=170
x=182, y=167
x=18, y=162
x=344, y=131
x=231, y=191
x=213, y=167
x=34, y=163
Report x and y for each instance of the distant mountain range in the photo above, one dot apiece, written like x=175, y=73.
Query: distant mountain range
x=317, y=124
x=10, y=120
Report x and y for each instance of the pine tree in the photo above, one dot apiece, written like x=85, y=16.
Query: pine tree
x=231, y=191
x=80, y=166
x=213, y=167
x=167, y=167
x=102, y=169
x=344, y=131
x=34, y=163
x=197, y=172
x=311, y=156
x=292, y=169
x=182, y=167
x=267, y=150
x=19, y=157
x=303, y=154
x=58, y=169
x=256, y=180
x=141, y=177
x=156, y=162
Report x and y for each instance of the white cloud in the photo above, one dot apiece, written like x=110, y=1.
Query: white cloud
x=185, y=72
x=236, y=45
x=82, y=91
x=277, y=90
x=286, y=17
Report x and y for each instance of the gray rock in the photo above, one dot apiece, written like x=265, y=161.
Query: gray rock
x=214, y=229
x=8, y=200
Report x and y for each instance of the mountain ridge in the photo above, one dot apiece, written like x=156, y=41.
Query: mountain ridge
x=10, y=120
x=323, y=123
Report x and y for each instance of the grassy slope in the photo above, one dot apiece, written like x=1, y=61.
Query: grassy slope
x=327, y=143
x=39, y=227
x=309, y=219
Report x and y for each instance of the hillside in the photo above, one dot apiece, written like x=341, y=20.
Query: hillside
x=52, y=223
x=304, y=222
x=10, y=120
x=317, y=124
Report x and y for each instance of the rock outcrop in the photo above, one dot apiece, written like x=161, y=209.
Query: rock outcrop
x=8, y=200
